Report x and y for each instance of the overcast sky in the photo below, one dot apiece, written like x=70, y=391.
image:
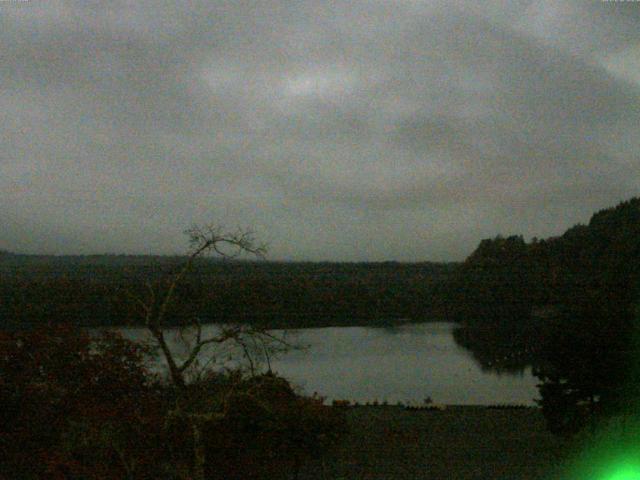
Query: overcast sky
x=355, y=130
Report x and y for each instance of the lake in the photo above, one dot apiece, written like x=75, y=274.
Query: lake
x=404, y=363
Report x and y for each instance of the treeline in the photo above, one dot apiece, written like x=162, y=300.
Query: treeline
x=568, y=306
x=101, y=290
x=513, y=290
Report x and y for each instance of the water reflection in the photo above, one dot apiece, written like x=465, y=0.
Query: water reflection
x=414, y=362
x=400, y=363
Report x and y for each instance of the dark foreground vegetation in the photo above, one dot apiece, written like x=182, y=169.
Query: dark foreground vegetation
x=459, y=443
x=72, y=407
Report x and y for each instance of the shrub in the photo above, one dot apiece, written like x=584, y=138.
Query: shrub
x=71, y=406
x=267, y=431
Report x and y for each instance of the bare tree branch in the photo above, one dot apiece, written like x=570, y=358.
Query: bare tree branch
x=195, y=350
x=203, y=240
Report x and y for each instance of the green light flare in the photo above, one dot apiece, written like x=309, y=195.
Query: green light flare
x=624, y=472
x=613, y=453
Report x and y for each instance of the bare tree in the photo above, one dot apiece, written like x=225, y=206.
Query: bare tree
x=156, y=307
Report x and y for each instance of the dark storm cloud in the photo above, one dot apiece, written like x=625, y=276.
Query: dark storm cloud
x=338, y=130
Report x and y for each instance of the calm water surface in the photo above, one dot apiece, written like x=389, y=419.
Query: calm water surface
x=405, y=363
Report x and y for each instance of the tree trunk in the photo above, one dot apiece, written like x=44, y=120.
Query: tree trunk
x=199, y=452
x=176, y=375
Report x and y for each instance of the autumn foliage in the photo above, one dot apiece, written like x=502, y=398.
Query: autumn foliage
x=73, y=406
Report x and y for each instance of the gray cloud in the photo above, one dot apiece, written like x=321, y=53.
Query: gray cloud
x=338, y=130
